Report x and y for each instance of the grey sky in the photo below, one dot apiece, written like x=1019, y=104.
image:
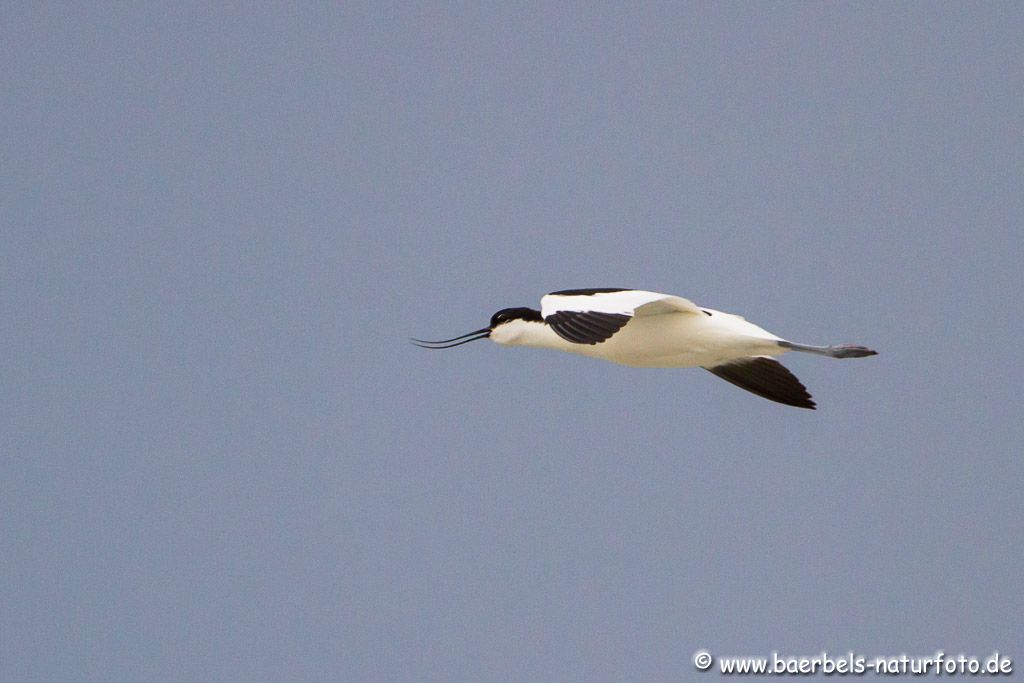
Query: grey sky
x=222, y=461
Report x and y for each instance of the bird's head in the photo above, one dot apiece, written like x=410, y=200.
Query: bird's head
x=506, y=327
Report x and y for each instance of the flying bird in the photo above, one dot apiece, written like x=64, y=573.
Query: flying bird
x=652, y=330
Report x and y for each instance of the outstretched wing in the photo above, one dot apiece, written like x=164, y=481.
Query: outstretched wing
x=767, y=378
x=591, y=316
x=586, y=327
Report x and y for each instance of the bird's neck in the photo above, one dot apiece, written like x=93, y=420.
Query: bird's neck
x=527, y=333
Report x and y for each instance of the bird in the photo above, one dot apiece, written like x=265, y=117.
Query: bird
x=639, y=328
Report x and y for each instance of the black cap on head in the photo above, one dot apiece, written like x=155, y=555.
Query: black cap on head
x=507, y=314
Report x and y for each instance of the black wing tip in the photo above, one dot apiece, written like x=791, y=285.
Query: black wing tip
x=768, y=378
x=796, y=400
x=808, y=403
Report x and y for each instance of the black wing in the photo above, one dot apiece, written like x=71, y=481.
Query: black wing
x=586, y=327
x=589, y=292
x=767, y=378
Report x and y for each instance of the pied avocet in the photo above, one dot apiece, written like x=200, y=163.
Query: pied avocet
x=651, y=330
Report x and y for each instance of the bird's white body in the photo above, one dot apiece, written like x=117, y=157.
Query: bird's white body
x=673, y=340
x=652, y=330
x=665, y=332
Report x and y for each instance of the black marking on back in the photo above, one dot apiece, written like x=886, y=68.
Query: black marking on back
x=767, y=378
x=586, y=327
x=706, y=312
x=589, y=292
